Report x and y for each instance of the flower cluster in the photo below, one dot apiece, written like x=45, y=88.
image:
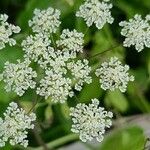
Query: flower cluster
x=80, y=72
x=71, y=40
x=90, y=121
x=63, y=70
x=114, y=75
x=56, y=59
x=18, y=77
x=13, y=127
x=96, y=12
x=46, y=21
x=57, y=84
x=137, y=32
x=6, y=30
x=36, y=47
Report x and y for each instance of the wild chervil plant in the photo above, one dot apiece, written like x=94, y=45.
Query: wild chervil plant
x=64, y=70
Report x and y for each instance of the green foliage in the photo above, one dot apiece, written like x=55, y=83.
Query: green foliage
x=117, y=100
x=90, y=91
x=129, y=138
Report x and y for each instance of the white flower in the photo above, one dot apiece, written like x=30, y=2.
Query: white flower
x=113, y=75
x=56, y=59
x=80, y=72
x=36, y=46
x=55, y=86
x=90, y=121
x=71, y=41
x=46, y=21
x=96, y=12
x=13, y=128
x=137, y=32
x=18, y=77
x=63, y=72
x=6, y=30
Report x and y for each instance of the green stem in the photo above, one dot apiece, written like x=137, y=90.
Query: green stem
x=109, y=49
x=34, y=105
x=57, y=142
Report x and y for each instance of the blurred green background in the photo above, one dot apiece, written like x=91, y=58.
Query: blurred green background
x=131, y=109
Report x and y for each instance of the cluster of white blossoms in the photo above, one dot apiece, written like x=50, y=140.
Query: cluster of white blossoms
x=6, y=30
x=80, y=72
x=96, y=12
x=57, y=83
x=55, y=86
x=113, y=75
x=46, y=21
x=137, y=32
x=90, y=121
x=13, y=128
x=18, y=77
x=63, y=70
x=36, y=47
x=56, y=59
x=71, y=40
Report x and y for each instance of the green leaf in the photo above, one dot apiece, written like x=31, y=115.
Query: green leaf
x=117, y=100
x=90, y=91
x=130, y=138
x=8, y=147
x=141, y=78
x=138, y=99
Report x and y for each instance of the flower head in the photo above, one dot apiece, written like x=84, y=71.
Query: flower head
x=71, y=41
x=96, y=12
x=6, y=30
x=18, y=77
x=63, y=72
x=14, y=125
x=46, y=21
x=80, y=71
x=137, y=32
x=113, y=75
x=55, y=86
x=90, y=121
x=36, y=47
